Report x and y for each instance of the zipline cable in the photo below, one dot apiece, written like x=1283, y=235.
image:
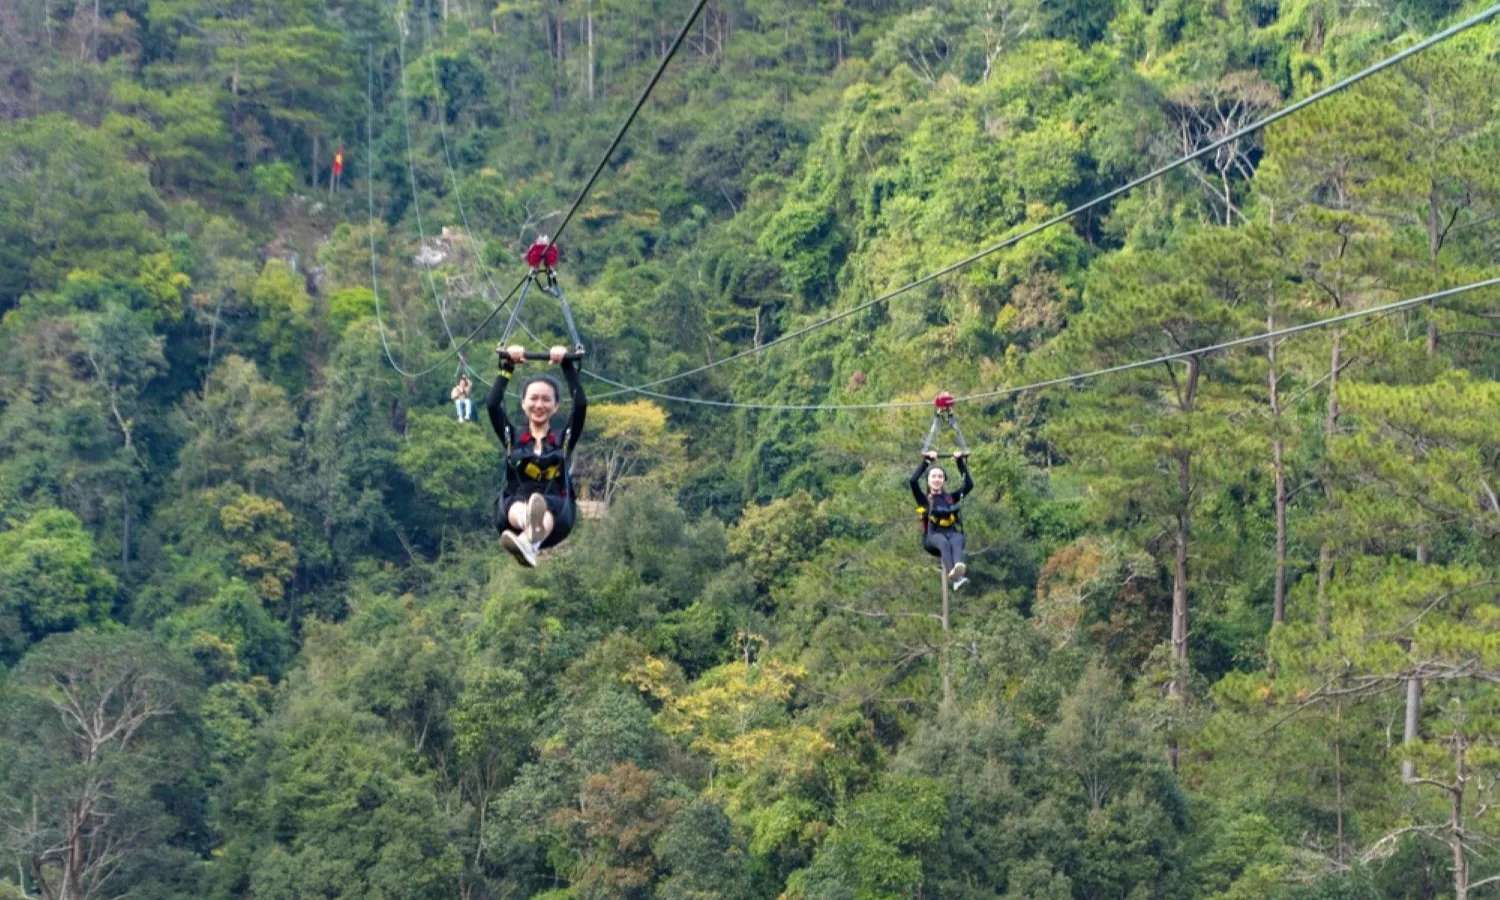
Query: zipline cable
x=416, y=197
x=572, y=210
x=1280, y=114
x=374, y=274
x=682, y=33
x=1072, y=378
x=370, y=195
x=485, y=272
x=411, y=174
x=1241, y=341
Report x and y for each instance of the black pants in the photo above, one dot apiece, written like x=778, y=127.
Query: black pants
x=564, y=513
x=948, y=545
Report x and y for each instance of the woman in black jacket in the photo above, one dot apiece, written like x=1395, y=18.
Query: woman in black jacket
x=537, y=507
x=942, y=526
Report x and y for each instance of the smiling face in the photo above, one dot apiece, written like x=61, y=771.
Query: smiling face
x=936, y=478
x=539, y=403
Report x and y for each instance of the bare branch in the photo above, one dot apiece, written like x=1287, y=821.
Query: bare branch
x=1443, y=598
x=881, y=614
x=1384, y=847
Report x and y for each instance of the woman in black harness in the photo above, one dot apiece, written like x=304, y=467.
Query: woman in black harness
x=536, y=508
x=942, y=527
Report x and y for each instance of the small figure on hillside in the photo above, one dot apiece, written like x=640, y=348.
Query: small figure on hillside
x=338, y=170
x=537, y=506
x=461, y=399
x=942, y=527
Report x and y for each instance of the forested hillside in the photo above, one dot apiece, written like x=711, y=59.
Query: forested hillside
x=1231, y=628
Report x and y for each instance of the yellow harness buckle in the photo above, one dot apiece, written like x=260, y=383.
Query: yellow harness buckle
x=536, y=472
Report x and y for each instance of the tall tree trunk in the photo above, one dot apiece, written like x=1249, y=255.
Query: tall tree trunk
x=1180, y=575
x=589, y=75
x=1177, y=687
x=1338, y=782
x=1434, y=246
x=1411, y=724
x=213, y=335
x=1228, y=197
x=1330, y=424
x=1181, y=538
x=724, y=26
x=72, y=875
x=94, y=38
x=1278, y=600
x=944, y=659
x=1413, y=717
x=1278, y=469
x=1456, y=819
x=235, y=121
x=554, y=28
x=124, y=530
x=1335, y=364
x=1325, y=575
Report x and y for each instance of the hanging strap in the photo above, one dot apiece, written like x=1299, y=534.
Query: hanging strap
x=940, y=419
x=554, y=289
x=932, y=431
x=515, y=311
x=958, y=434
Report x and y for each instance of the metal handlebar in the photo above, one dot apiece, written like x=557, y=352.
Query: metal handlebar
x=544, y=356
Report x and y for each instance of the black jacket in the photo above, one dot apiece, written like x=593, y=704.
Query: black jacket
x=535, y=466
x=939, y=512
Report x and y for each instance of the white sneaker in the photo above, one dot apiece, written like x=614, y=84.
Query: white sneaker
x=536, y=515
x=960, y=583
x=959, y=571
x=523, y=550
x=528, y=552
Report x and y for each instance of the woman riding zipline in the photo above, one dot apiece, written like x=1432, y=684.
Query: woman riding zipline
x=537, y=508
x=942, y=527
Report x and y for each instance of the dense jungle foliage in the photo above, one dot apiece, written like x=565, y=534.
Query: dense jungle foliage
x=1231, y=630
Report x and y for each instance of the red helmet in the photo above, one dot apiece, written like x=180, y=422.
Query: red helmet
x=943, y=401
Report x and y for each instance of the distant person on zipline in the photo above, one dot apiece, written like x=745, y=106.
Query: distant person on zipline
x=462, y=401
x=537, y=506
x=338, y=170
x=942, y=526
